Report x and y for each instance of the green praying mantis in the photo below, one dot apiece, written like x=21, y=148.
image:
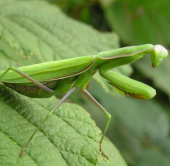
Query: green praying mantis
x=47, y=79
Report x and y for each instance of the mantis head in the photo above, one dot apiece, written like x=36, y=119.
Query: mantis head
x=159, y=53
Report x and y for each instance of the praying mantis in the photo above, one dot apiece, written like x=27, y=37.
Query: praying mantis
x=44, y=80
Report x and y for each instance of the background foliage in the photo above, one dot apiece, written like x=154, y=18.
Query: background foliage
x=37, y=31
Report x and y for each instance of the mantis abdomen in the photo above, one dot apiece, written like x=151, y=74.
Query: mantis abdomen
x=34, y=91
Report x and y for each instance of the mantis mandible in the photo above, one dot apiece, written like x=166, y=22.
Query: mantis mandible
x=47, y=79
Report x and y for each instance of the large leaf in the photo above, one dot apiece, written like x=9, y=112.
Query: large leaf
x=133, y=20
x=41, y=30
x=68, y=137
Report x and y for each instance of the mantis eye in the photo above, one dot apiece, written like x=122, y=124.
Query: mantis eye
x=159, y=53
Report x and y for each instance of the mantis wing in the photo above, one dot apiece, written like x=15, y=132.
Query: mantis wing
x=50, y=70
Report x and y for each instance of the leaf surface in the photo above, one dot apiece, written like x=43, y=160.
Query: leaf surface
x=134, y=20
x=68, y=137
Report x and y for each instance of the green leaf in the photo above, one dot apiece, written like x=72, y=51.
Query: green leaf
x=133, y=20
x=42, y=32
x=68, y=137
x=159, y=159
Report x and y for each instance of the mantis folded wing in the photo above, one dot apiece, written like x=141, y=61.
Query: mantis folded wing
x=47, y=79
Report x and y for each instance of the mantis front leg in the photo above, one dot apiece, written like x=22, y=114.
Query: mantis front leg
x=129, y=86
x=105, y=112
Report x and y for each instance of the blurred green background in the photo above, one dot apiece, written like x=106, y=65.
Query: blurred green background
x=140, y=129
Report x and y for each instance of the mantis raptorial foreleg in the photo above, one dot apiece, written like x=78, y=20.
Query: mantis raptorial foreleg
x=129, y=86
x=28, y=77
x=50, y=113
x=105, y=112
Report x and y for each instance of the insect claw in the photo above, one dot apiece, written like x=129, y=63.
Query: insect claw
x=22, y=152
x=153, y=66
x=126, y=94
x=108, y=82
x=104, y=155
x=68, y=101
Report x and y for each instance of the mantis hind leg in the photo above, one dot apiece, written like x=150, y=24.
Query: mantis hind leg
x=28, y=77
x=49, y=114
x=105, y=112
